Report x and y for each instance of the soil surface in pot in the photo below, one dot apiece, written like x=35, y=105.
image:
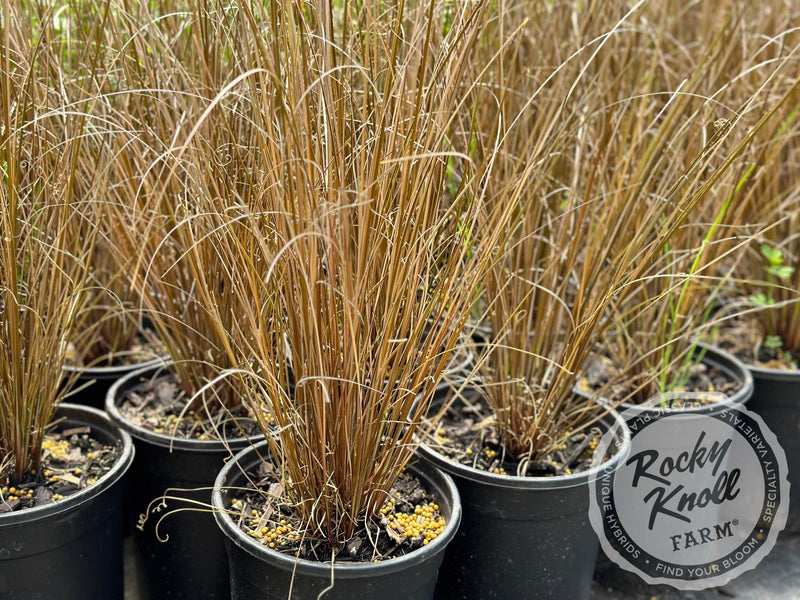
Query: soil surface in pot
x=408, y=519
x=743, y=337
x=466, y=434
x=703, y=378
x=160, y=405
x=71, y=461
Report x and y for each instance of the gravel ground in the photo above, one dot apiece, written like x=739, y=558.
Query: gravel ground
x=777, y=577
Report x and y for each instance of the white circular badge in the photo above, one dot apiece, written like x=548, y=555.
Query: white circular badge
x=700, y=498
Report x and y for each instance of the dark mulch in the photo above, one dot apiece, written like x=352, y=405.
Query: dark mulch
x=72, y=460
x=705, y=382
x=743, y=338
x=268, y=517
x=160, y=405
x=466, y=434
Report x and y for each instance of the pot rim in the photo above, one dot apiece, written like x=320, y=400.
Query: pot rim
x=344, y=570
x=159, y=439
x=97, y=420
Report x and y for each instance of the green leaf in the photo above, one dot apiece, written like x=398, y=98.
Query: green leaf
x=760, y=299
x=780, y=271
x=745, y=177
x=773, y=255
x=773, y=342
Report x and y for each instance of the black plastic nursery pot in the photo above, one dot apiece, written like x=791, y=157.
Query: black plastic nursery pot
x=92, y=384
x=522, y=537
x=776, y=398
x=70, y=549
x=261, y=573
x=191, y=561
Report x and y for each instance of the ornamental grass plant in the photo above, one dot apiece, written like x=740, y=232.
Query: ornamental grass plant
x=764, y=292
x=48, y=142
x=655, y=349
x=369, y=273
x=617, y=157
x=107, y=325
x=774, y=256
x=168, y=66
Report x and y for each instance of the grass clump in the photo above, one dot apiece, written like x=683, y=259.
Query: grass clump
x=763, y=292
x=369, y=279
x=45, y=156
x=750, y=84
x=615, y=164
x=171, y=179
